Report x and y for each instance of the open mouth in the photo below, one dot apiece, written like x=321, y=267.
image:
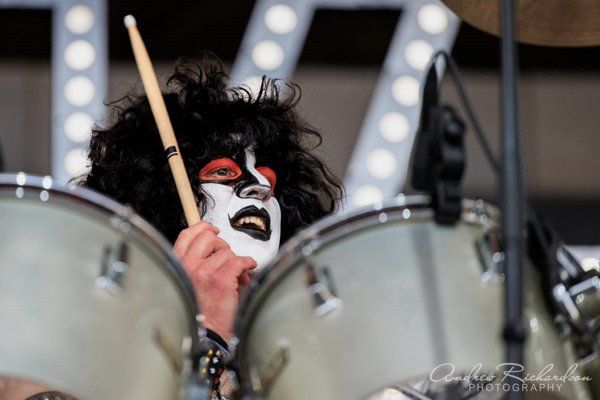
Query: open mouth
x=252, y=221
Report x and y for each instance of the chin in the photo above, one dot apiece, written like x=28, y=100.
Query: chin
x=243, y=245
x=263, y=261
x=262, y=257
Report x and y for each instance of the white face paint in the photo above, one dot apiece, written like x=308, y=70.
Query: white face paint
x=240, y=204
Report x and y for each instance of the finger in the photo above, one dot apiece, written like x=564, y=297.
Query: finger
x=244, y=279
x=203, y=245
x=234, y=268
x=214, y=262
x=187, y=235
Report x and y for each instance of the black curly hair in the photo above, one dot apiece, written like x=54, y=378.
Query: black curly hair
x=128, y=162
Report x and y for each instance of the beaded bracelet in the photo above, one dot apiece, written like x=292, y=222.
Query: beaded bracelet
x=212, y=366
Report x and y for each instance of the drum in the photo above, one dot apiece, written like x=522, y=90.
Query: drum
x=92, y=302
x=384, y=303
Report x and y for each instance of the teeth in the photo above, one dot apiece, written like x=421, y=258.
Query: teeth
x=252, y=220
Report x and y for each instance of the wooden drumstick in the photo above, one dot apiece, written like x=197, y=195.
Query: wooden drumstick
x=161, y=116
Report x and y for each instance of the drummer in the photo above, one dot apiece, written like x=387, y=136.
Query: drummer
x=250, y=160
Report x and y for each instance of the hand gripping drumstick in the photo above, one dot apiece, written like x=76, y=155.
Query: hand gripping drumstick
x=159, y=110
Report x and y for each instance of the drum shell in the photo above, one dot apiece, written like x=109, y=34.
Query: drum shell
x=414, y=297
x=60, y=328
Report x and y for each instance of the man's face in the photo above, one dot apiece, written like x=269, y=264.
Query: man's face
x=242, y=206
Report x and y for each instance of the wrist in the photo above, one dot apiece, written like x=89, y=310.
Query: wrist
x=223, y=334
x=214, y=336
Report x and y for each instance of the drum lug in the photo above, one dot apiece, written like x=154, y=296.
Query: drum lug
x=491, y=257
x=167, y=349
x=320, y=286
x=262, y=383
x=581, y=302
x=113, y=269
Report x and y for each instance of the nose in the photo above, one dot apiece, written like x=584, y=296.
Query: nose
x=256, y=191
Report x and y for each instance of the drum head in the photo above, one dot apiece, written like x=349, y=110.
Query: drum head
x=382, y=295
x=92, y=300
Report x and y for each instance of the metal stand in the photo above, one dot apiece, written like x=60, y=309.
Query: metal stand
x=512, y=200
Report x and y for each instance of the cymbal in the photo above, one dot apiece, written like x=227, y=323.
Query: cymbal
x=562, y=23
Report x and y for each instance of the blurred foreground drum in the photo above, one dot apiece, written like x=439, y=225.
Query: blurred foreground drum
x=387, y=304
x=92, y=303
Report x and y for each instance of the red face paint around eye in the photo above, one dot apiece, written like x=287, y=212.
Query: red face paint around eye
x=221, y=169
x=270, y=175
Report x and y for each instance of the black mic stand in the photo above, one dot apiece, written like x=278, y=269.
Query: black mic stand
x=512, y=201
x=427, y=153
x=1, y=159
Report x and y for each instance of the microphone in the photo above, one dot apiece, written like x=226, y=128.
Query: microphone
x=439, y=155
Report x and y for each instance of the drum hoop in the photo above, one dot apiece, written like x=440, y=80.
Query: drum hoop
x=141, y=230
x=335, y=227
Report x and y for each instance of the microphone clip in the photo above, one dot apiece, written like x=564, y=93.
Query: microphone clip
x=439, y=155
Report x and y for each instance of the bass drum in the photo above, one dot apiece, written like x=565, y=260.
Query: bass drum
x=385, y=304
x=92, y=302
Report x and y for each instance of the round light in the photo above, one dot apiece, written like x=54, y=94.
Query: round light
x=418, y=53
x=44, y=195
x=432, y=19
x=253, y=84
x=80, y=55
x=267, y=55
x=80, y=91
x=406, y=90
x=21, y=178
x=281, y=19
x=394, y=127
x=590, y=263
x=76, y=162
x=19, y=192
x=381, y=163
x=78, y=127
x=47, y=182
x=79, y=19
x=366, y=195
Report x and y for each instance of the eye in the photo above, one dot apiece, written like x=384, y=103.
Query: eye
x=220, y=169
x=222, y=173
x=270, y=175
